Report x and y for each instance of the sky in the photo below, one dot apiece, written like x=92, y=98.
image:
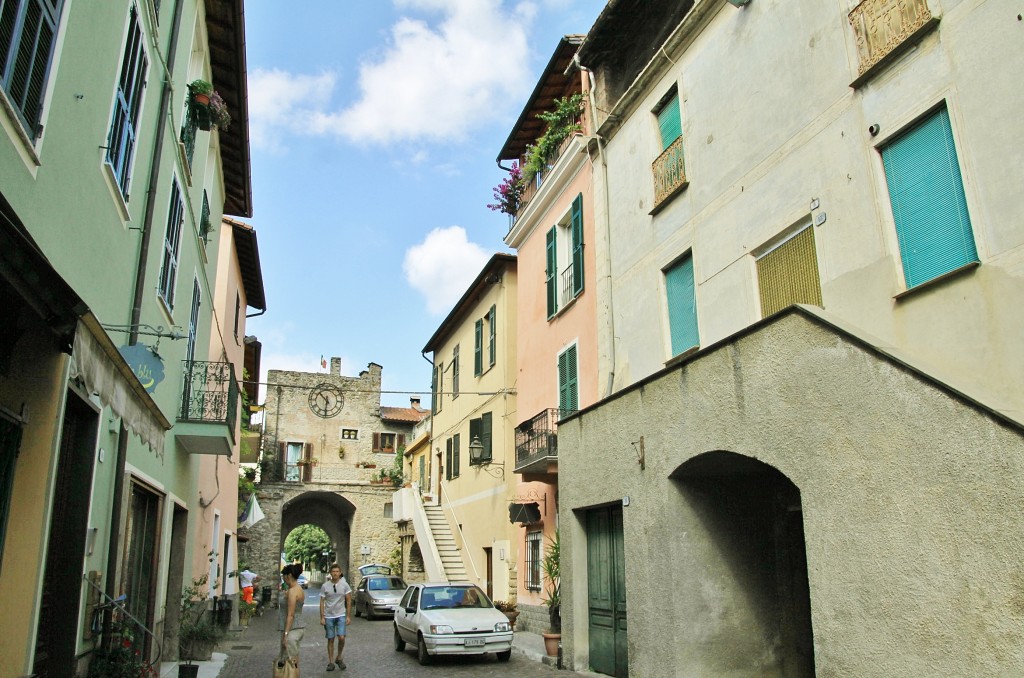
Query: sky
x=374, y=128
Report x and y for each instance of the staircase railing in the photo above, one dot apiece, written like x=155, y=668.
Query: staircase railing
x=446, y=502
x=409, y=506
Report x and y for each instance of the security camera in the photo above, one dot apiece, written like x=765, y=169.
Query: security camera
x=874, y=129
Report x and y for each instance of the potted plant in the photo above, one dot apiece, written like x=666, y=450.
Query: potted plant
x=551, y=567
x=509, y=192
x=245, y=611
x=562, y=122
x=220, y=117
x=199, y=93
x=197, y=632
x=120, y=657
x=509, y=608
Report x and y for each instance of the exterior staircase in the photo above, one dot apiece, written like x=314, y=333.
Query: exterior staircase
x=451, y=555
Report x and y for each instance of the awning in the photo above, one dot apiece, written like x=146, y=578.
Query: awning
x=524, y=513
x=97, y=362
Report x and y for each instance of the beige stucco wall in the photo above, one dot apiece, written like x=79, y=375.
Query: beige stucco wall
x=771, y=123
x=909, y=510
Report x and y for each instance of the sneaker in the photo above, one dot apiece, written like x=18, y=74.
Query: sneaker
x=341, y=664
x=330, y=667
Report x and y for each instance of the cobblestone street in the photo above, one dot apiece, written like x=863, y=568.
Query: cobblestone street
x=369, y=652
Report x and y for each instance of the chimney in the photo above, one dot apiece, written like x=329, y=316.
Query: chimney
x=336, y=366
x=415, y=402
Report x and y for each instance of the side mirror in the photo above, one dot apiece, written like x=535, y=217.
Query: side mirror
x=410, y=610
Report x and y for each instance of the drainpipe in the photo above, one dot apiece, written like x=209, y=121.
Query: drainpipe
x=433, y=409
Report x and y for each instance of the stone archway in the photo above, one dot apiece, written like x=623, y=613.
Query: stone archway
x=330, y=511
x=755, y=553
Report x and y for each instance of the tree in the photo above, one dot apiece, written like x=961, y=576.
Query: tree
x=306, y=544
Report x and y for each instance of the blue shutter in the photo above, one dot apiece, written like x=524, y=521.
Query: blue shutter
x=682, y=306
x=27, y=38
x=669, y=124
x=552, y=272
x=577, y=245
x=928, y=202
x=478, y=348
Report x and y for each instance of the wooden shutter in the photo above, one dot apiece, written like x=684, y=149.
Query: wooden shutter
x=376, y=442
x=478, y=348
x=399, y=441
x=474, y=433
x=485, y=434
x=577, y=245
x=493, y=314
x=670, y=125
x=552, y=271
x=433, y=391
x=568, y=390
x=788, y=274
x=307, y=468
x=929, y=207
x=455, y=372
x=682, y=306
x=455, y=456
x=448, y=460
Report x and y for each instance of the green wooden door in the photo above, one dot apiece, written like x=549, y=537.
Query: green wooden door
x=606, y=575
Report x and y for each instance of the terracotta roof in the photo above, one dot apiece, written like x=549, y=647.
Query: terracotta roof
x=403, y=414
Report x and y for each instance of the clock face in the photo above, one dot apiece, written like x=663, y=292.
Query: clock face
x=326, y=400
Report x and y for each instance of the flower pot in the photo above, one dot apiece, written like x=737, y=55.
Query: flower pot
x=201, y=99
x=551, y=641
x=188, y=670
x=511, y=616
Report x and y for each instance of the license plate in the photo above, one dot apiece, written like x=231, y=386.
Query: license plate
x=474, y=642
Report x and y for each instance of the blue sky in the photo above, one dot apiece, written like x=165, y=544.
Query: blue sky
x=374, y=127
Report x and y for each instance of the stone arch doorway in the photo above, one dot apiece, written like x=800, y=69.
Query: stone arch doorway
x=329, y=511
x=751, y=549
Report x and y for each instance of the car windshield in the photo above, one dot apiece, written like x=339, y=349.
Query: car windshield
x=437, y=597
x=386, y=584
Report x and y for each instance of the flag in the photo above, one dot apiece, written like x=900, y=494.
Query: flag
x=323, y=363
x=252, y=513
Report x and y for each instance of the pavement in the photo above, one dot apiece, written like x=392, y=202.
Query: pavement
x=249, y=652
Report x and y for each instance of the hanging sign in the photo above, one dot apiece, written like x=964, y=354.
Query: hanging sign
x=146, y=365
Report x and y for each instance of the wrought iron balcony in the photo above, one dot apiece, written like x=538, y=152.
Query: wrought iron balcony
x=669, y=172
x=537, y=442
x=208, y=414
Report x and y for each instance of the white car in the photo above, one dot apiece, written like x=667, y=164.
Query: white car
x=442, y=619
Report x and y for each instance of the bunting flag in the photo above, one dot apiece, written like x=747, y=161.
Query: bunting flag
x=252, y=513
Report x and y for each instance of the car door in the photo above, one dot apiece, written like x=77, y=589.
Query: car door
x=405, y=620
x=361, y=596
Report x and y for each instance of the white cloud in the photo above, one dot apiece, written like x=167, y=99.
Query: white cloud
x=431, y=81
x=442, y=266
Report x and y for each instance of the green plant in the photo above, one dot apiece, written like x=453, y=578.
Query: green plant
x=121, y=658
x=505, y=605
x=246, y=609
x=550, y=565
x=394, y=474
x=220, y=117
x=196, y=629
x=245, y=488
x=200, y=87
x=395, y=560
x=562, y=122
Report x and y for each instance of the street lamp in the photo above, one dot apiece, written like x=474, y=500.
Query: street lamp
x=476, y=458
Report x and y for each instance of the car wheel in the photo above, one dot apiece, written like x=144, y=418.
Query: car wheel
x=370, y=616
x=504, y=656
x=399, y=643
x=421, y=652
x=357, y=612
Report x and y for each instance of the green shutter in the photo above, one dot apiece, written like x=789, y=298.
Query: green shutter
x=493, y=314
x=455, y=372
x=669, y=124
x=682, y=306
x=433, y=391
x=455, y=456
x=928, y=202
x=552, y=272
x=577, y=245
x=448, y=460
x=568, y=388
x=485, y=434
x=478, y=348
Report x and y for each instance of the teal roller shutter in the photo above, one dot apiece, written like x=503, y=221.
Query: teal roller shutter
x=682, y=306
x=552, y=273
x=669, y=123
x=577, y=245
x=929, y=207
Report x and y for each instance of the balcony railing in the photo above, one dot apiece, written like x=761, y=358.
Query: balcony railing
x=669, y=172
x=882, y=26
x=566, y=288
x=209, y=394
x=533, y=187
x=537, y=440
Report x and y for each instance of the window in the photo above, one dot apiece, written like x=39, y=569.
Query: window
x=564, y=273
x=788, y=274
x=349, y=434
x=668, y=168
x=10, y=443
x=670, y=126
x=682, y=305
x=28, y=30
x=127, y=105
x=291, y=462
x=928, y=202
x=452, y=457
x=478, y=348
x=568, y=387
x=193, y=321
x=189, y=128
x=481, y=428
x=172, y=244
x=389, y=509
x=385, y=442
x=533, y=575
x=492, y=318
x=455, y=372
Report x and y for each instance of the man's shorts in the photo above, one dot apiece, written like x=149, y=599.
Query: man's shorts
x=294, y=639
x=334, y=627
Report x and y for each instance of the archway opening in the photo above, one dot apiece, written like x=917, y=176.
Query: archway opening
x=753, y=551
x=328, y=513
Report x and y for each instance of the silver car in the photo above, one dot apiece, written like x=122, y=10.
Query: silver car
x=444, y=619
x=378, y=595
